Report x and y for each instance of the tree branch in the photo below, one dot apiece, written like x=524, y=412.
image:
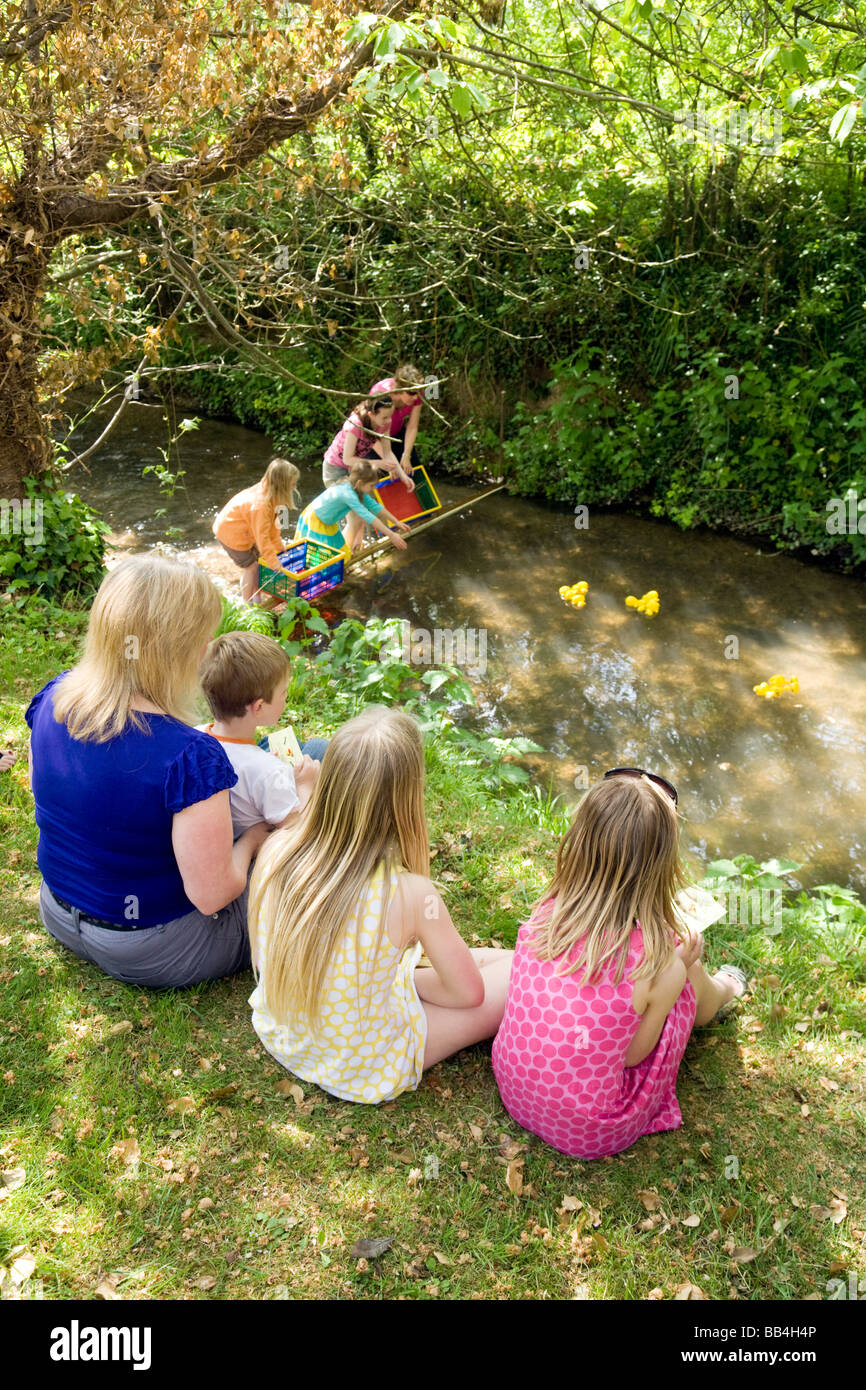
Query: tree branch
x=270, y=123
x=21, y=45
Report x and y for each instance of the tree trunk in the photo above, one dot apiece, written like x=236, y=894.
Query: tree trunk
x=25, y=449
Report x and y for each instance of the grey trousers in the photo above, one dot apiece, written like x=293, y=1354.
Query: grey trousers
x=172, y=955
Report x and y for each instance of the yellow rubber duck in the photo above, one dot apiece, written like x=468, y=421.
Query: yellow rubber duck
x=575, y=594
x=776, y=686
x=648, y=604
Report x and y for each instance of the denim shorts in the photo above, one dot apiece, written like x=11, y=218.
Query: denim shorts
x=173, y=955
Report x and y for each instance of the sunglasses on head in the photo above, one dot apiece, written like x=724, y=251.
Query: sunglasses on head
x=653, y=777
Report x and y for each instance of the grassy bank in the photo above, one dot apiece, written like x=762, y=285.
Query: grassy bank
x=151, y=1149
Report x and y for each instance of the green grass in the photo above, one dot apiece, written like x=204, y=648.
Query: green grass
x=162, y=1159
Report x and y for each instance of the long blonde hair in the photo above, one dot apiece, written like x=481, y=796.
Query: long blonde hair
x=280, y=483
x=367, y=810
x=148, y=624
x=617, y=865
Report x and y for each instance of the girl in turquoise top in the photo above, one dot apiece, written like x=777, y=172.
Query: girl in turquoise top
x=320, y=521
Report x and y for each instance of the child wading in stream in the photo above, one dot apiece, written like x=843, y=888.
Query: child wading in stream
x=406, y=389
x=249, y=526
x=604, y=990
x=365, y=434
x=356, y=500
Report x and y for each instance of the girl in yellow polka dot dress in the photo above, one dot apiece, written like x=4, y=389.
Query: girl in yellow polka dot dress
x=340, y=911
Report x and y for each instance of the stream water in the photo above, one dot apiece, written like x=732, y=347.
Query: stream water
x=604, y=685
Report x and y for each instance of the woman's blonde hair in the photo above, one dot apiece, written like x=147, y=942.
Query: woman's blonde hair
x=407, y=378
x=148, y=624
x=281, y=482
x=617, y=865
x=367, y=810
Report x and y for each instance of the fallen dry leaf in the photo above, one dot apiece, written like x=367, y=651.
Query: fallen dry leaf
x=819, y=1213
x=838, y=1210
x=403, y=1155
x=773, y=982
x=290, y=1088
x=692, y=1220
x=21, y=1268
x=206, y=1282
x=828, y=1084
x=728, y=1214
x=107, y=1289
x=650, y=1201
x=128, y=1151
x=743, y=1254
x=477, y=1133
x=12, y=1178
x=571, y=1204
x=205, y=1204
x=689, y=1291
x=510, y=1148
x=183, y=1105
x=514, y=1176
x=222, y=1092
x=655, y=1295
x=117, y=1028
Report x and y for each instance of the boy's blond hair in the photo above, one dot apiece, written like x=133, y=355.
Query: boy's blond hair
x=148, y=624
x=238, y=668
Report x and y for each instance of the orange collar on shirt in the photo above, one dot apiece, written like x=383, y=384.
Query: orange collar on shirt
x=208, y=729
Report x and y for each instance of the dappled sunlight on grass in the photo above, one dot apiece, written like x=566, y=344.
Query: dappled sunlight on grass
x=164, y=1159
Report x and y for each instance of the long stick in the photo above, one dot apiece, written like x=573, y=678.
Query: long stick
x=374, y=549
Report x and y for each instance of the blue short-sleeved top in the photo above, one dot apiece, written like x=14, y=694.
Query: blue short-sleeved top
x=105, y=810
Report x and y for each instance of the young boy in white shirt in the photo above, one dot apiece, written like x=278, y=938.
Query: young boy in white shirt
x=245, y=677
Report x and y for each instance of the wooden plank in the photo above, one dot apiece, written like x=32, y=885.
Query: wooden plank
x=369, y=551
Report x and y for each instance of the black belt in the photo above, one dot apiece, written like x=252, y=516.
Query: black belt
x=85, y=917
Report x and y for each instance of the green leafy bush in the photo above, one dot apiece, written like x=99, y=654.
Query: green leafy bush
x=242, y=617
x=51, y=542
x=363, y=664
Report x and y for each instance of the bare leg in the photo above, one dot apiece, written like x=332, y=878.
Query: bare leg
x=711, y=992
x=353, y=531
x=249, y=582
x=450, y=1030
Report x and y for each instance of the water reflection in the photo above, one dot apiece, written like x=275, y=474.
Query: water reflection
x=602, y=685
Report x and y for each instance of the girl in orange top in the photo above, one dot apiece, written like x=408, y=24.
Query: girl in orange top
x=249, y=526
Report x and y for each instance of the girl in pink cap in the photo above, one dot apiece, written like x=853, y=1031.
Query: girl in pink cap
x=606, y=984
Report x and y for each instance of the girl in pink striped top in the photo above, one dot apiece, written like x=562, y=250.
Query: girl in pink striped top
x=606, y=985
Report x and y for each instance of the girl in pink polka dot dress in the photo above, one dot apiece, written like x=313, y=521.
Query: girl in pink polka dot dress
x=606, y=986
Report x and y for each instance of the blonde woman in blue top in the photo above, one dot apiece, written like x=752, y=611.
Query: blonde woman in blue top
x=141, y=873
x=355, y=499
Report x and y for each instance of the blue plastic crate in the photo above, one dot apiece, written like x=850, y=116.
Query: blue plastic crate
x=315, y=569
